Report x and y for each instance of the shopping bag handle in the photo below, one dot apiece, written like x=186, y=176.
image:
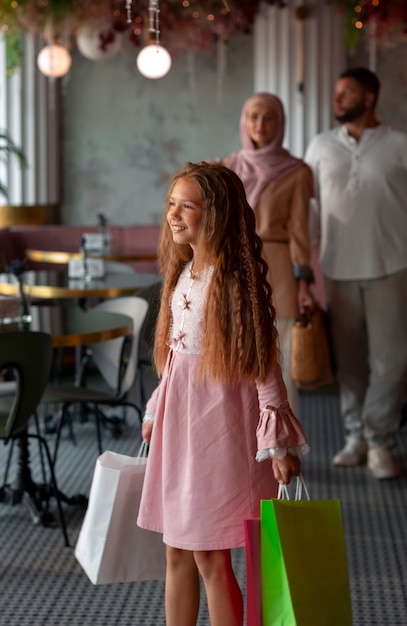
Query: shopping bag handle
x=283, y=493
x=144, y=448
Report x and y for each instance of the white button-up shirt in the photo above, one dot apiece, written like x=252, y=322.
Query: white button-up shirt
x=362, y=199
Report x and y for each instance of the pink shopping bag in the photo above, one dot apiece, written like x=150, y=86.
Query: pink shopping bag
x=253, y=572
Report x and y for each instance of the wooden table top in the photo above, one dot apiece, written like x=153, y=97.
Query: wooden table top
x=63, y=257
x=72, y=326
x=56, y=284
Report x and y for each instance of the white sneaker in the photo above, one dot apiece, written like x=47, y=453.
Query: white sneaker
x=380, y=463
x=354, y=453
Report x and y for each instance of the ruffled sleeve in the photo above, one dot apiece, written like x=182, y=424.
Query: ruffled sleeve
x=278, y=431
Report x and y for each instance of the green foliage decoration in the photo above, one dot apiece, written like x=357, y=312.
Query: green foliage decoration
x=385, y=20
x=7, y=147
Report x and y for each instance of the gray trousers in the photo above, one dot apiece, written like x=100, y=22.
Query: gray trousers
x=368, y=323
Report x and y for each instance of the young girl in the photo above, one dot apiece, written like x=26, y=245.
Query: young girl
x=221, y=405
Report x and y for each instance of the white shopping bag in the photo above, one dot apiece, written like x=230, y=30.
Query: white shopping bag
x=111, y=547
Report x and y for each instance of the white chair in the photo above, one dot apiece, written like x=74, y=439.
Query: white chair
x=108, y=354
x=116, y=361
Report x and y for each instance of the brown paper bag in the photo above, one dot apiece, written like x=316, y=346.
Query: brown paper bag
x=311, y=359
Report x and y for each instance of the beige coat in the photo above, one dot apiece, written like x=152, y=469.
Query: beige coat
x=282, y=223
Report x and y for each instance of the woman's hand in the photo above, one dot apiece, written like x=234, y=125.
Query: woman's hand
x=304, y=297
x=285, y=469
x=146, y=430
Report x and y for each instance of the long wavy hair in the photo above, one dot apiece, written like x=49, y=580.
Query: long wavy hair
x=239, y=337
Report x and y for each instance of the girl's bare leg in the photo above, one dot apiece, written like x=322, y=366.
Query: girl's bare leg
x=181, y=588
x=225, y=602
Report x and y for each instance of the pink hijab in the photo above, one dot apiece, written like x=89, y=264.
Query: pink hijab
x=258, y=167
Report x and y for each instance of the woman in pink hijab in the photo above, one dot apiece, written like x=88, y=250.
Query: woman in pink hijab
x=278, y=188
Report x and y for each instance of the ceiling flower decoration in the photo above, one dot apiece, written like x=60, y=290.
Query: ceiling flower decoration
x=185, y=24
x=385, y=20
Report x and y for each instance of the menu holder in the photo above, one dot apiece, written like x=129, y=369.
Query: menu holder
x=97, y=243
x=86, y=268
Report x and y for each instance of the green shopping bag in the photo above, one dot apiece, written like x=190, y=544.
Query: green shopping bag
x=303, y=564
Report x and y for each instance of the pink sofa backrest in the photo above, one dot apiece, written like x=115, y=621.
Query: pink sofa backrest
x=63, y=238
x=131, y=239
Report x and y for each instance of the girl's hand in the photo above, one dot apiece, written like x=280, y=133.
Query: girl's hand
x=285, y=469
x=146, y=430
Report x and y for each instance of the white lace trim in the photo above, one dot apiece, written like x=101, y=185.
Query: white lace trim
x=148, y=417
x=280, y=453
x=187, y=304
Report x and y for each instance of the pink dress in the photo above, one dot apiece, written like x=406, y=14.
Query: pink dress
x=202, y=478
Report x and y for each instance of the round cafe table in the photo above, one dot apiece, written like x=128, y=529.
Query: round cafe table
x=63, y=258
x=72, y=326
x=50, y=284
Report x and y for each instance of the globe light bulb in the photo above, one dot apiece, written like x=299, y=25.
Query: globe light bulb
x=154, y=61
x=88, y=42
x=54, y=61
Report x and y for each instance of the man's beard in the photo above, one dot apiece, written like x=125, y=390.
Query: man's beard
x=352, y=114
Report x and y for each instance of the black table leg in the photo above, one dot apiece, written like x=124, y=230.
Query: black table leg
x=35, y=495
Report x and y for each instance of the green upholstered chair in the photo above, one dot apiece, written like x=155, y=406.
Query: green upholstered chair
x=26, y=357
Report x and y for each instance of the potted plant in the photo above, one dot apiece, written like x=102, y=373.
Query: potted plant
x=7, y=147
x=15, y=214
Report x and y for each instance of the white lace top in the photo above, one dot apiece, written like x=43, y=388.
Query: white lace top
x=187, y=308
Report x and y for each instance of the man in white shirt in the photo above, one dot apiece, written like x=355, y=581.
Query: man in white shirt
x=360, y=171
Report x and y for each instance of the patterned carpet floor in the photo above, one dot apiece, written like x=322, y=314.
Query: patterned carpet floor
x=42, y=584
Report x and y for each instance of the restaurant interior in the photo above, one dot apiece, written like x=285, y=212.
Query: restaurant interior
x=100, y=138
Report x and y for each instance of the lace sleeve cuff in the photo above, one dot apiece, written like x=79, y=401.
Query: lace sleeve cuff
x=280, y=453
x=278, y=433
x=148, y=417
